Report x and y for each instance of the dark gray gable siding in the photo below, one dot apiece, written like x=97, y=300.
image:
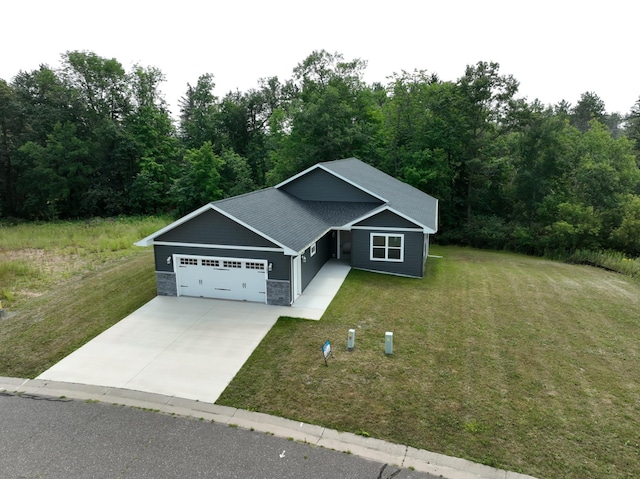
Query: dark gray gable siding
x=281, y=263
x=412, y=265
x=387, y=218
x=214, y=228
x=319, y=185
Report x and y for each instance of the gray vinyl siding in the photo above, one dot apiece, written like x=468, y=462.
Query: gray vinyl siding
x=281, y=263
x=319, y=185
x=212, y=227
x=412, y=265
x=387, y=218
x=313, y=264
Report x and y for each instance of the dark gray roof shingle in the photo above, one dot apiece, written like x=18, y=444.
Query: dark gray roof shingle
x=295, y=223
x=402, y=197
x=288, y=220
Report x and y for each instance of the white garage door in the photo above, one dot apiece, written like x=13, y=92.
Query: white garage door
x=225, y=278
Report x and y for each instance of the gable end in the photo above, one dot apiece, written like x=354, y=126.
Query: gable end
x=387, y=219
x=317, y=184
x=211, y=227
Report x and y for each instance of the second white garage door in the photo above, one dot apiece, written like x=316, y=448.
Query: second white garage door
x=224, y=278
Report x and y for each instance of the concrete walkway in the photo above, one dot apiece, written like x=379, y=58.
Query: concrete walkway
x=315, y=299
x=374, y=449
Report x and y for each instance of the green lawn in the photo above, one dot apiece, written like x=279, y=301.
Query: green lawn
x=516, y=362
x=512, y=361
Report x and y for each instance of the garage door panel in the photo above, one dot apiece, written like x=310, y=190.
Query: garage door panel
x=224, y=278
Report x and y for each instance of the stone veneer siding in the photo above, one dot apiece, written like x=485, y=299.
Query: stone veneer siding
x=278, y=292
x=166, y=283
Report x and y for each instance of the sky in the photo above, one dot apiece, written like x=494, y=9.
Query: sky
x=557, y=50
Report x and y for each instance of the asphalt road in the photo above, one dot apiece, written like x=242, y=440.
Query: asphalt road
x=42, y=437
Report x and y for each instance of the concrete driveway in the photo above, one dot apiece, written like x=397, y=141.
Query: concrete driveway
x=187, y=347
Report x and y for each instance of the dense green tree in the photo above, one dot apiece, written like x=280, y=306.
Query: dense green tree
x=577, y=226
x=589, y=107
x=244, y=119
x=198, y=113
x=632, y=129
x=54, y=179
x=543, y=145
x=332, y=114
x=488, y=103
x=100, y=83
x=424, y=130
x=153, y=165
x=626, y=237
x=236, y=176
x=200, y=179
x=45, y=100
x=12, y=127
x=90, y=139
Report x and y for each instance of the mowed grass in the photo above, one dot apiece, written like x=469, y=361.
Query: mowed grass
x=64, y=283
x=516, y=362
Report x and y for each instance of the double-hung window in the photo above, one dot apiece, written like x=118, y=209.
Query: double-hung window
x=387, y=247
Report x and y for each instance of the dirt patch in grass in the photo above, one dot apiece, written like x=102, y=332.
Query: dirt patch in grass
x=515, y=362
x=64, y=283
x=50, y=262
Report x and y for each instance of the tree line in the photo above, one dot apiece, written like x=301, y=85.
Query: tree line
x=89, y=138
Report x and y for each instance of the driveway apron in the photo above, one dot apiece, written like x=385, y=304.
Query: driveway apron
x=185, y=347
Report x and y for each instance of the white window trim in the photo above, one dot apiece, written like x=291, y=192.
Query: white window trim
x=312, y=249
x=386, y=247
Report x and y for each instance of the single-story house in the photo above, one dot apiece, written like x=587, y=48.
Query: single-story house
x=267, y=245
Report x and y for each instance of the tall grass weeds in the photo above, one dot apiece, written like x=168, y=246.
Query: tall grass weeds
x=35, y=256
x=606, y=259
x=89, y=236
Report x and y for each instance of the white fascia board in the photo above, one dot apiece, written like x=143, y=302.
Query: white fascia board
x=331, y=172
x=374, y=212
x=148, y=241
x=286, y=249
x=295, y=177
x=387, y=229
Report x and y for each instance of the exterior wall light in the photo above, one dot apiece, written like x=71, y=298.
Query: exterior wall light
x=168, y=259
x=270, y=266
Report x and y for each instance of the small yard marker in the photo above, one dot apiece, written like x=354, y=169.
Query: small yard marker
x=388, y=342
x=351, y=341
x=326, y=351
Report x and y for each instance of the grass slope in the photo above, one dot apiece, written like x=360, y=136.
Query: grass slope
x=53, y=325
x=64, y=283
x=515, y=362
